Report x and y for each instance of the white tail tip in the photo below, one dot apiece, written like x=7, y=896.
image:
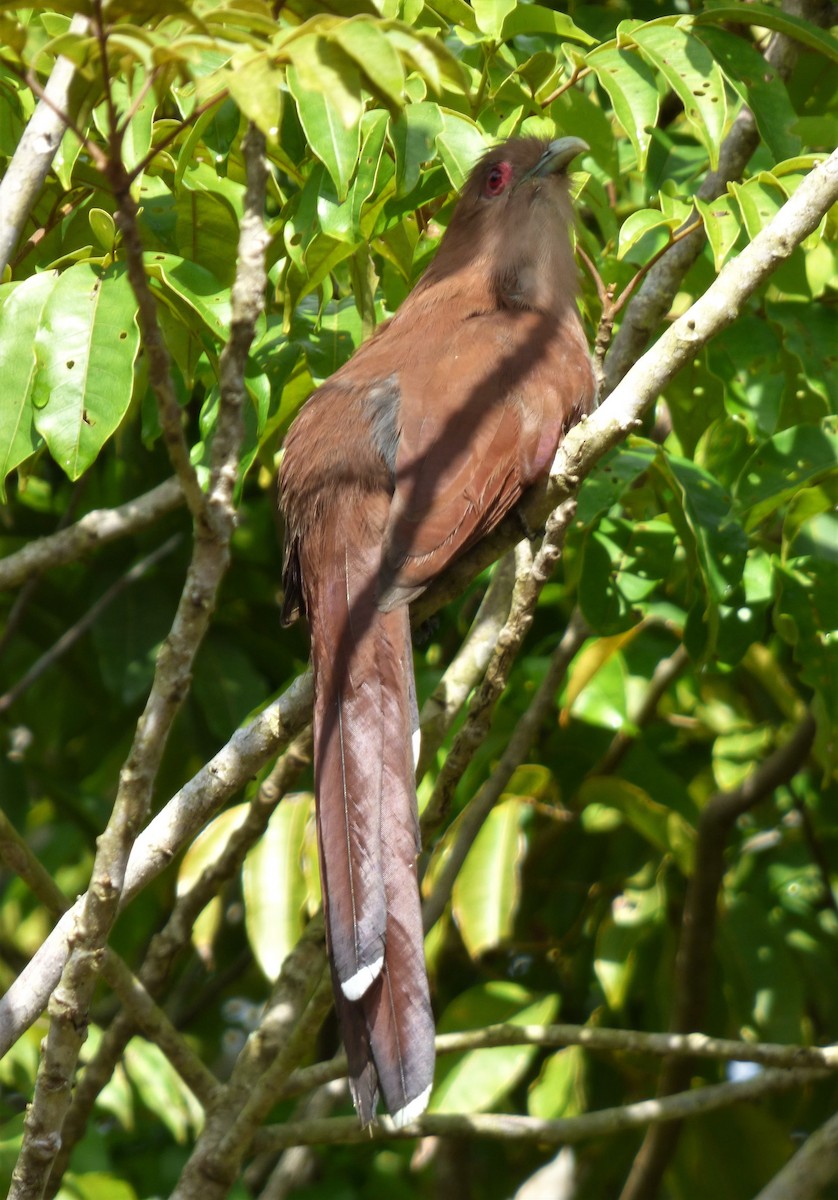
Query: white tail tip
x=354, y=987
x=412, y=1110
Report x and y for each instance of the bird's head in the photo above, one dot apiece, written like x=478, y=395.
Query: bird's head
x=511, y=222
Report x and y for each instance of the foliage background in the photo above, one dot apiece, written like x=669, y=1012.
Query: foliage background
x=706, y=545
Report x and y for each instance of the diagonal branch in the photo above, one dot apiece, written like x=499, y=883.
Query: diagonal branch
x=650, y=306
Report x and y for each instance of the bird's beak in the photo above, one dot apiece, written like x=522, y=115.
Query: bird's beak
x=558, y=155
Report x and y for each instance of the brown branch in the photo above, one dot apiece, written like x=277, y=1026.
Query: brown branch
x=478, y=810
x=174, y=938
x=596, y=1039
x=562, y=1131
x=531, y=577
x=95, y=529
x=809, y=1174
x=652, y=303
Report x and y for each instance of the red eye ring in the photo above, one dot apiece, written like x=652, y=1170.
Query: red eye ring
x=497, y=178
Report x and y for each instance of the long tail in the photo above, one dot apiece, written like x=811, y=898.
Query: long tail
x=369, y=839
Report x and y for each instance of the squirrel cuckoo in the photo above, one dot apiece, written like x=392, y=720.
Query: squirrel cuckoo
x=410, y=453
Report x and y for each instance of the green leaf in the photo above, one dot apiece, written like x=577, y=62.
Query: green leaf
x=794, y=27
x=623, y=564
x=737, y=753
x=488, y=889
x=191, y=291
x=597, y=689
x=85, y=347
x=275, y=888
x=694, y=76
x=793, y=459
x=808, y=331
x=207, y=232
x=460, y=145
x=327, y=342
x=477, y=1080
x=638, y=224
x=21, y=310
x=559, y=1090
x=95, y=1185
x=742, y=622
x=746, y=357
x=616, y=959
x=254, y=83
x=534, y=18
x=759, y=200
x=199, y=857
x=414, y=136
x=657, y=823
x=127, y=636
x=611, y=478
x=806, y=618
x=633, y=91
x=759, y=85
x=491, y=15
x=371, y=50
x=104, y=228
x=707, y=525
x=162, y=1090
x=330, y=120
x=721, y=226
x=763, y=983
x=373, y=132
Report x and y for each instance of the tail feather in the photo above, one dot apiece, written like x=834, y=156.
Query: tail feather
x=365, y=716
x=348, y=755
x=399, y=1016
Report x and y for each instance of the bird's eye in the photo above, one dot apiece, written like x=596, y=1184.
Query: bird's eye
x=497, y=179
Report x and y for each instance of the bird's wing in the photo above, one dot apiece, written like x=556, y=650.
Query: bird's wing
x=480, y=414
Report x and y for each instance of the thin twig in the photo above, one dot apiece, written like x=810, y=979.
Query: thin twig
x=72, y=635
x=478, y=810
x=97, y=528
x=596, y=1039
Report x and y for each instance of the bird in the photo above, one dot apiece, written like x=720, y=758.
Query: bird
x=411, y=452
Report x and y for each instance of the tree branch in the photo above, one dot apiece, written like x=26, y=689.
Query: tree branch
x=95, y=529
x=27, y=172
x=596, y=1039
x=809, y=1173
x=562, y=1131
x=213, y=518
x=650, y=306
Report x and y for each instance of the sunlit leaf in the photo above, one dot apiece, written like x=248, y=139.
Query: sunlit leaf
x=476, y=1080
